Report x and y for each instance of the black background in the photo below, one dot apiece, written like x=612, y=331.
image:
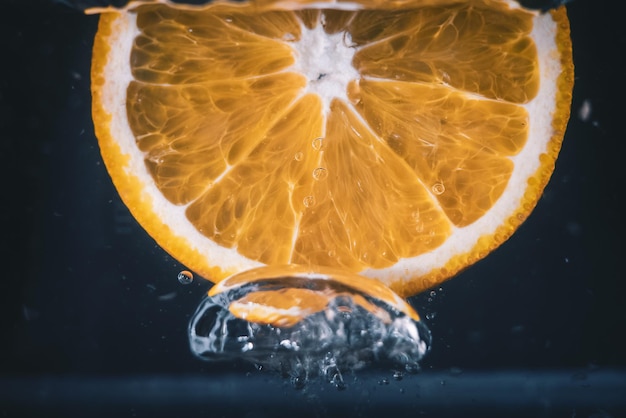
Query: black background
x=85, y=292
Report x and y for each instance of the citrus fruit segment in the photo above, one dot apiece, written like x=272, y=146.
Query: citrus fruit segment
x=402, y=142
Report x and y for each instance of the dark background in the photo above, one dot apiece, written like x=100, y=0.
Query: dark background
x=87, y=294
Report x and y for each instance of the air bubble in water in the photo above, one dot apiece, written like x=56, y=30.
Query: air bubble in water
x=336, y=329
x=309, y=201
x=438, y=188
x=320, y=173
x=318, y=143
x=299, y=156
x=185, y=277
x=298, y=382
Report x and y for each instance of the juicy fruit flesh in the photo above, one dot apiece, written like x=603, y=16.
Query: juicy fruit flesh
x=422, y=145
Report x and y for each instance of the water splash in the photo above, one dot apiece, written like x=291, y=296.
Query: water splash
x=335, y=329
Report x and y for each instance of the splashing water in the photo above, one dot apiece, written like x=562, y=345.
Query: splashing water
x=309, y=325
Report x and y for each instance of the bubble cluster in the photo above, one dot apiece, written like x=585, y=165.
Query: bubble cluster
x=352, y=331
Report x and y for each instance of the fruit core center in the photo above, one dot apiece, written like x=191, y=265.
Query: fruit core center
x=326, y=61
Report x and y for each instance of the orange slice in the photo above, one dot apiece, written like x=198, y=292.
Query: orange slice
x=399, y=140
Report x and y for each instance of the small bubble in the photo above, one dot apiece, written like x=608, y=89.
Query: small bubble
x=438, y=188
x=337, y=381
x=383, y=381
x=185, y=277
x=433, y=293
x=412, y=368
x=318, y=143
x=320, y=173
x=299, y=156
x=309, y=201
x=298, y=382
x=332, y=253
x=398, y=375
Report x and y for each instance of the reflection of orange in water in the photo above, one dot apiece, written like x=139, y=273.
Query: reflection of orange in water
x=224, y=144
x=289, y=304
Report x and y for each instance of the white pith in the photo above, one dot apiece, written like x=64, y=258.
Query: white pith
x=117, y=76
x=326, y=62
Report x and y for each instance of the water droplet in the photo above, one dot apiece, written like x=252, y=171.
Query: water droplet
x=320, y=173
x=185, y=277
x=398, y=375
x=332, y=253
x=309, y=201
x=438, y=188
x=433, y=293
x=318, y=143
x=298, y=382
x=412, y=368
x=298, y=156
x=337, y=381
